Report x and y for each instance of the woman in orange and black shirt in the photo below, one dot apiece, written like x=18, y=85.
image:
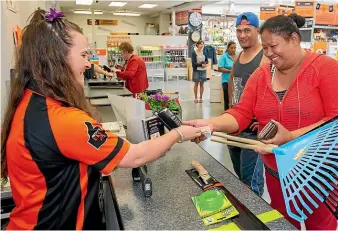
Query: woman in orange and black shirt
x=52, y=148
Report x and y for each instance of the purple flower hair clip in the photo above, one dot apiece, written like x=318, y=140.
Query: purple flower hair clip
x=53, y=14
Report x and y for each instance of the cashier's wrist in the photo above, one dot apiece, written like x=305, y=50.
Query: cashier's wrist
x=180, y=135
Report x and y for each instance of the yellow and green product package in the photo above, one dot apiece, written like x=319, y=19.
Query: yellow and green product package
x=213, y=206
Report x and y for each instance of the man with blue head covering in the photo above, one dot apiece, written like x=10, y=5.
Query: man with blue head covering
x=247, y=163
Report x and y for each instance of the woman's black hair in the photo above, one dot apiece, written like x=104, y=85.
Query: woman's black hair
x=284, y=25
x=229, y=44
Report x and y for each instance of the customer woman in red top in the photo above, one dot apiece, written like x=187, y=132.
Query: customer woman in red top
x=134, y=73
x=299, y=90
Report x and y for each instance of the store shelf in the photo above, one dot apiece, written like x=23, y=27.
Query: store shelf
x=155, y=62
x=326, y=27
x=150, y=56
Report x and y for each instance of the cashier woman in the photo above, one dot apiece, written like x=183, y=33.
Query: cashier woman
x=52, y=149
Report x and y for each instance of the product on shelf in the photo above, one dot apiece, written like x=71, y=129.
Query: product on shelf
x=175, y=57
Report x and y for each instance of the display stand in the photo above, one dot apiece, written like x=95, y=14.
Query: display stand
x=152, y=56
x=175, y=62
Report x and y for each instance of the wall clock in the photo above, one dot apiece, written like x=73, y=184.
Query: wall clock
x=195, y=36
x=195, y=19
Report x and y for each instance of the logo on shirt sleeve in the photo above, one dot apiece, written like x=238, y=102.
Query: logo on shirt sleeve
x=97, y=136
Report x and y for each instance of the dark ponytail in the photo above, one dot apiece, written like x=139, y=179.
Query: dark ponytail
x=284, y=25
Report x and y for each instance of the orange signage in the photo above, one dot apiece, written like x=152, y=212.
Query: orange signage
x=285, y=10
x=320, y=47
x=336, y=17
x=267, y=12
x=101, y=52
x=305, y=8
x=325, y=14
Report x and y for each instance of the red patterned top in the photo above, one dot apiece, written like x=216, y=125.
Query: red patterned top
x=313, y=96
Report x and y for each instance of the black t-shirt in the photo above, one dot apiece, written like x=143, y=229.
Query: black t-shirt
x=89, y=73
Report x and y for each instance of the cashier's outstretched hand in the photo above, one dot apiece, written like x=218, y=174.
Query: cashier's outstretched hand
x=189, y=132
x=198, y=124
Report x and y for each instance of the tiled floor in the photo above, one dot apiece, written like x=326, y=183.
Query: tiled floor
x=192, y=110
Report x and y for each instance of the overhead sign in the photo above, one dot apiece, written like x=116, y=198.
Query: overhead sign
x=103, y=22
x=325, y=14
x=267, y=12
x=305, y=8
x=181, y=18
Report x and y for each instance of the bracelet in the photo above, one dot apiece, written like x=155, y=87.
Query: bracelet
x=181, y=135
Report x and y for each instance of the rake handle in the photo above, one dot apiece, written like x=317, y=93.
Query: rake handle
x=265, y=148
x=239, y=139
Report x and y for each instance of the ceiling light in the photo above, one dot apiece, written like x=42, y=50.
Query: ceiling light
x=147, y=6
x=84, y=2
x=87, y=12
x=117, y=3
x=82, y=12
x=126, y=14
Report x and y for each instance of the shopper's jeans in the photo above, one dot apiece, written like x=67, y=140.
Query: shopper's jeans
x=248, y=166
x=225, y=96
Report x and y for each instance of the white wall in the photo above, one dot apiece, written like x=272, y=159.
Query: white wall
x=125, y=24
x=238, y=9
x=164, y=23
x=9, y=20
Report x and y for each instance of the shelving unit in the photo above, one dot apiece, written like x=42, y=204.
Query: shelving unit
x=175, y=62
x=153, y=58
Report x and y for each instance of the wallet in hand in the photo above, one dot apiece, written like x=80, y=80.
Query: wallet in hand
x=269, y=131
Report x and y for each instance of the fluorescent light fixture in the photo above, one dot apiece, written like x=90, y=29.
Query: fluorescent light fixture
x=126, y=14
x=117, y=4
x=84, y=2
x=147, y=6
x=87, y=12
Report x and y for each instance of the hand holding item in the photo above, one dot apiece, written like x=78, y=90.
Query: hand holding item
x=254, y=126
x=188, y=132
x=204, y=65
x=118, y=66
x=282, y=135
x=200, y=123
x=115, y=70
x=109, y=74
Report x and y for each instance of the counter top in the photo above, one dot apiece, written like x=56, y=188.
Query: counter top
x=170, y=206
x=97, y=93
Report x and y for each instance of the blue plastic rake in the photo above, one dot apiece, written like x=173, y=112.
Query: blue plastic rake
x=307, y=167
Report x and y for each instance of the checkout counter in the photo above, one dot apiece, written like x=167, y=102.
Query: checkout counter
x=170, y=206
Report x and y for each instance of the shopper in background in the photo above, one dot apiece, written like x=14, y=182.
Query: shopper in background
x=134, y=71
x=94, y=71
x=199, y=62
x=299, y=91
x=224, y=65
x=52, y=149
x=247, y=163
